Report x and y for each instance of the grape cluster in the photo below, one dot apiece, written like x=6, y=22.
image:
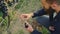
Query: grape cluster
x=3, y=8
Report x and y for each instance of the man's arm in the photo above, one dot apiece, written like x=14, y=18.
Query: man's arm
x=36, y=32
x=39, y=13
x=36, y=14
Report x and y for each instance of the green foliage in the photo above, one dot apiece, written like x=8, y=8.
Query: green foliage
x=11, y=14
x=21, y=32
x=0, y=19
x=1, y=14
x=5, y=22
x=19, y=4
x=45, y=31
x=27, y=6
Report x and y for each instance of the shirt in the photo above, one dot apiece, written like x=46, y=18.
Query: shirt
x=56, y=22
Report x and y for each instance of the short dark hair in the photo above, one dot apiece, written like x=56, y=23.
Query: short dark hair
x=51, y=1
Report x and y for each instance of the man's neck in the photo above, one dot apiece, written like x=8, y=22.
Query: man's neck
x=58, y=10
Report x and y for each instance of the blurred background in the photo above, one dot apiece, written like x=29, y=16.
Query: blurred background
x=12, y=23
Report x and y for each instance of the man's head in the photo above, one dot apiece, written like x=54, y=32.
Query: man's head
x=53, y=1
x=45, y=4
x=51, y=4
x=54, y=4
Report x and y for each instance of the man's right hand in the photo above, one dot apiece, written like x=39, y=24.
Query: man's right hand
x=52, y=28
x=29, y=27
x=26, y=16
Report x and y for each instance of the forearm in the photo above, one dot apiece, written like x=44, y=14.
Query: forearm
x=39, y=13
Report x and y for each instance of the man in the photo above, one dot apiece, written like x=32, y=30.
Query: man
x=42, y=20
x=41, y=12
x=54, y=4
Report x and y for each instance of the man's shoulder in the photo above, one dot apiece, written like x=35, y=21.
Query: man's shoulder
x=58, y=16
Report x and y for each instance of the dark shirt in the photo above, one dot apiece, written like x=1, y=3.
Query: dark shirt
x=56, y=22
x=43, y=12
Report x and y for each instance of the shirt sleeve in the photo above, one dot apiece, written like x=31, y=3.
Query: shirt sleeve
x=36, y=32
x=39, y=13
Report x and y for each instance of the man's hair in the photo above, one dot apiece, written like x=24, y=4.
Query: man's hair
x=52, y=1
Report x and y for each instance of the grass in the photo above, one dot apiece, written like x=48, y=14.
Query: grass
x=26, y=6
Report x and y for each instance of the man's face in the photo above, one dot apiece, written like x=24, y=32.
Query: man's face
x=56, y=7
x=47, y=6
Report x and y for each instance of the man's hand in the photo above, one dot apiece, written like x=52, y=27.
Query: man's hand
x=26, y=16
x=51, y=28
x=29, y=27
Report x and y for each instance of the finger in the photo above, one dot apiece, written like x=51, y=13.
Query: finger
x=26, y=23
x=53, y=29
x=26, y=26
